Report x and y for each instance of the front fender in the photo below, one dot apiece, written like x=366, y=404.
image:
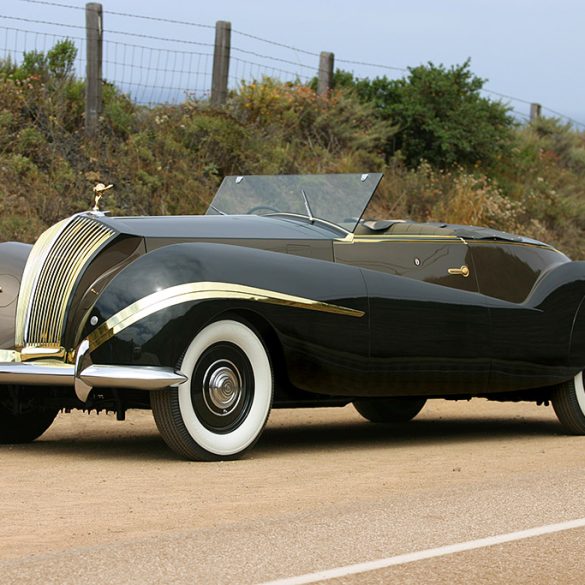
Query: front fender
x=153, y=308
x=13, y=257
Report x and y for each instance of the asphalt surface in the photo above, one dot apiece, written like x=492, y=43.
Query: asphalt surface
x=100, y=501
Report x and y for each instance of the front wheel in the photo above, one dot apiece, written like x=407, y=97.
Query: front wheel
x=220, y=411
x=389, y=410
x=568, y=400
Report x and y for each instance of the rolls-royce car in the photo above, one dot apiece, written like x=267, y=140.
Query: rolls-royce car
x=283, y=295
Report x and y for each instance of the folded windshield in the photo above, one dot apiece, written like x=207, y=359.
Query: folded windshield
x=339, y=199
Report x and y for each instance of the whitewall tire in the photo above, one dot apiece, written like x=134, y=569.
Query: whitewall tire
x=568, y=400
x=221, y=410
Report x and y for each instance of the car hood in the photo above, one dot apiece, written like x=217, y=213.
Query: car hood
x=216, y=227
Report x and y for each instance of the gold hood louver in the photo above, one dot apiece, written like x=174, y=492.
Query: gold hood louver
x=55, y=262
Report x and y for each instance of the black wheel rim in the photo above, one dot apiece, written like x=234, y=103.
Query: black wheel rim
x=222, y=387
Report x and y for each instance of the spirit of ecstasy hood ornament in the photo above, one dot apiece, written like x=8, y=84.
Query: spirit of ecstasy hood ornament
x=99, y=190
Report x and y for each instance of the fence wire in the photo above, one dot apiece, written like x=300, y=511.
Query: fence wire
x=14, y=42
x=154, y=76
x=153, y=69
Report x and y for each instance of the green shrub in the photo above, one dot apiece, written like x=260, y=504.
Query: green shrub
x=441, y=116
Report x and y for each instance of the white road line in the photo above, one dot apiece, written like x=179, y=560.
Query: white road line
x=428, y=554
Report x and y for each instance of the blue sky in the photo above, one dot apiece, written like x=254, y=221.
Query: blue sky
x=528, y=49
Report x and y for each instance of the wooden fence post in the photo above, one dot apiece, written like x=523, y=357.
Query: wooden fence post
x=535, y=111
x=221, y=62
x=326, y=61
x=94, y=28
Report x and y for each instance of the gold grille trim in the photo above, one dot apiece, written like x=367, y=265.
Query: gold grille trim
x=56, y=260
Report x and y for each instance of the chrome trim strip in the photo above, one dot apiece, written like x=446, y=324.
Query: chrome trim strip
x=82, y=360
x=199, y=291
x=57, y=259
x=139, y=377
x=31, y=276
x=47, y=373
x=56, y=373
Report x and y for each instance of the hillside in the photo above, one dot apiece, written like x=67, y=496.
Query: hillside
x=170, y=159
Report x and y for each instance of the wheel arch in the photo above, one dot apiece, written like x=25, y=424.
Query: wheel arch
x=269, y=337
x=577, y=344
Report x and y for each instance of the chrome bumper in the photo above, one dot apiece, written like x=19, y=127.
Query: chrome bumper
x=84, y=376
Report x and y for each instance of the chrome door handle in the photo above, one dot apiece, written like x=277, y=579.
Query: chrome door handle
x=463, y=271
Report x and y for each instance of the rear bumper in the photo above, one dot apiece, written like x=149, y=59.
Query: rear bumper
x=83, y=375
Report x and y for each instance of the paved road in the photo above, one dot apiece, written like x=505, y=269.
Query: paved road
x=98, y=501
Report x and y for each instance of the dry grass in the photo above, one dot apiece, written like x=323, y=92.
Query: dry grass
x=169, y=160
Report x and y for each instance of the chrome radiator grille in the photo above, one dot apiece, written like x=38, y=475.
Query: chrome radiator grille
x=55, y=262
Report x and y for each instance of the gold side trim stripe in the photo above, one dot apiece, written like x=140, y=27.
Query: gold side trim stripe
x=406, y=236
x=198, y=291
x=407, y=240
x=355, y=238
x=399, y=239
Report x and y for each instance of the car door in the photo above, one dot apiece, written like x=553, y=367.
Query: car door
x=442, y=260
x=429, y=325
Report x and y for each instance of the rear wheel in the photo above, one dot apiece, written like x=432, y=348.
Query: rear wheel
x=220, y=411
x=568, y=400
x=389, y=410
x=25, y=425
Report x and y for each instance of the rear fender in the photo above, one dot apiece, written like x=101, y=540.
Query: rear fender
x=565, y=280
x=560, y=295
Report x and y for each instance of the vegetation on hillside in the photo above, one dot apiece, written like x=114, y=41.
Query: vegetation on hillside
x=448, y=153
x=441, y=115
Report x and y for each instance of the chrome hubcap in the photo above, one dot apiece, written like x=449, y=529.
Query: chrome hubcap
x=224, y=387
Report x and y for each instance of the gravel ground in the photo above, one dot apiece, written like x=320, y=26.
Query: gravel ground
x=100, y=501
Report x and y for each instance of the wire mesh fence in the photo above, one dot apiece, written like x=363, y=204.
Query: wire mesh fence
x=14, y=42
x=153, y=76
x=153, y=69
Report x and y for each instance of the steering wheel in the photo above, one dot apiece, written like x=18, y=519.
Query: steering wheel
x=260, y=207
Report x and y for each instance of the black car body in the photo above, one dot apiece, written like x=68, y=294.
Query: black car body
x=281, y=296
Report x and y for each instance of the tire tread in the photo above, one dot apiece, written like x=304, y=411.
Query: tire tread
x=567, y=408
x=169, y=421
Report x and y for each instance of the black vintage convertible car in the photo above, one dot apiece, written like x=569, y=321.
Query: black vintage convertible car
x=283, y=295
